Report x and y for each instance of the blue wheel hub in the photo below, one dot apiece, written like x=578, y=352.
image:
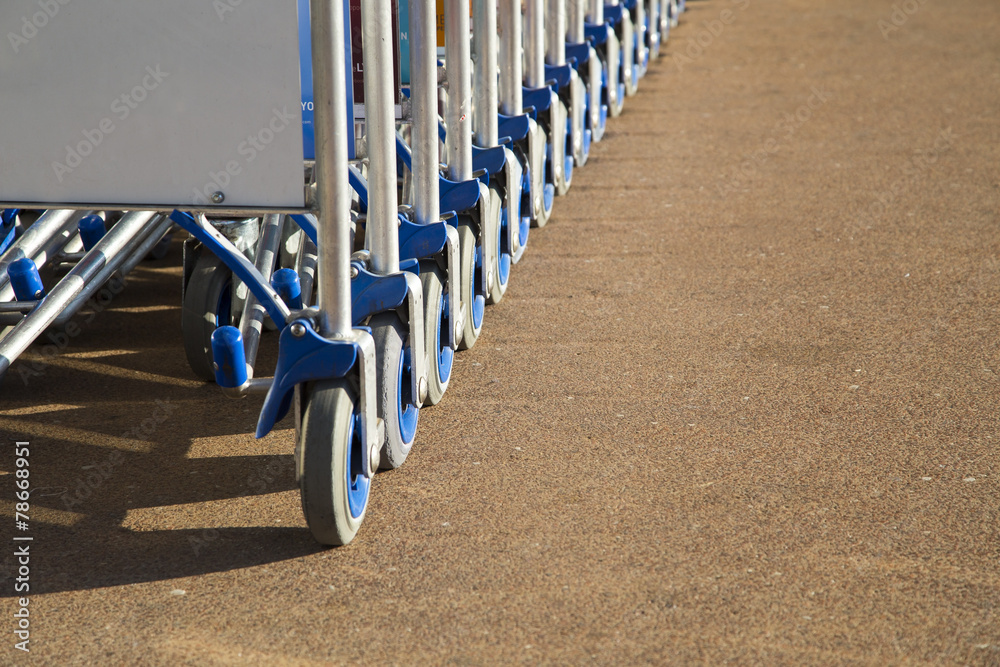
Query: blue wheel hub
x=407, y=408
x=478, y=296
x=445, y=355
x=503, y=241
x=358, y=483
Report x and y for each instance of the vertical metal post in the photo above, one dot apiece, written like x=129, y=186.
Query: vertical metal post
x=555, y=32
x=574, y=21
x=333, y=231
x=534, y=43
x=380, y=104
x=595, y=11
x=484, y=54
x=458, y=144
x=423, y=96
x=511, y=65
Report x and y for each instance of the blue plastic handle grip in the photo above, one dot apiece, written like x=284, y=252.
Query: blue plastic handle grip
x=229, y=356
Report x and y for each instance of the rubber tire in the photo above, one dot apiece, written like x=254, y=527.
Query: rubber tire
x=200, y=316
x=434, y=281
x=467, y=283
x=390, y=338
x=499, y=286
x=162, y=247
x=325, y=443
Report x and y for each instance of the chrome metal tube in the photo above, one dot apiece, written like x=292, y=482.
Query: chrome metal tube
x=380, y=100
x=555, y=32
x=424, y=98
x=133, y=253
x=595, y=11
x=574, y=21
x=52, y=306
x=19, y=307
x=305, y=265
x=511, y=62
x=458, y=144
x=252, y=320
x=534, y=43
x=332, y=195
x=484, y=76
x=40, y=242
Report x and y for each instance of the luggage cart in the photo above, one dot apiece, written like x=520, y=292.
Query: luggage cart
x=370, y=298
x=546, y=109
x=566, y=112
x=516, y=128
x=148, y=163
x=601, y=35
x=469, y=192
x=425, y=235
x=504, y=171
x=74, y=253
x=581, y=56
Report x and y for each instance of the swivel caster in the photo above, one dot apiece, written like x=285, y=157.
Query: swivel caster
x=334, y=483
x=440, y=356
x=208, y=305
x=397, y=407
x=472, y=289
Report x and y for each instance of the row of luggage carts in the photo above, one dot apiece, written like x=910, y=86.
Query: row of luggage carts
x=434, y=140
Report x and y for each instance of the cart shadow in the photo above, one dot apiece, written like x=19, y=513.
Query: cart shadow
x=117, y=423
x=92, y=555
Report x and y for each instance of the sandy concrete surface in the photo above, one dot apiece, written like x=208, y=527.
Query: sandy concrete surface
x=738, y=405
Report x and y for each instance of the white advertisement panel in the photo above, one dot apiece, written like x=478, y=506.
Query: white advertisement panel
x=166, y=103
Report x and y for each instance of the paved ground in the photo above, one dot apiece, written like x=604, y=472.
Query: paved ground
x=733, y=407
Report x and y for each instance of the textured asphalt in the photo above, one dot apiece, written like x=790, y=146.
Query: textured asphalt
x=740, y=403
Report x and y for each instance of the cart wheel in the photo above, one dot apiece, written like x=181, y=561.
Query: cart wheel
x=524, y=224
x=333, y=485
x=548, y=192
x=501, y=264
x=614, y=88
x=473, y=301
x=396, y=404
x=208, y=302
x=436, y=324
x=162, y=247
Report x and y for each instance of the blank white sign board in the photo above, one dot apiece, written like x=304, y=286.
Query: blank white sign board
x=159, y=102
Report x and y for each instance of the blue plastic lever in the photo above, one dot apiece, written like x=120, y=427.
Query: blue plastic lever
x=229, y=356
x=286, y=283
x=25, y=280
x=91, y=231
